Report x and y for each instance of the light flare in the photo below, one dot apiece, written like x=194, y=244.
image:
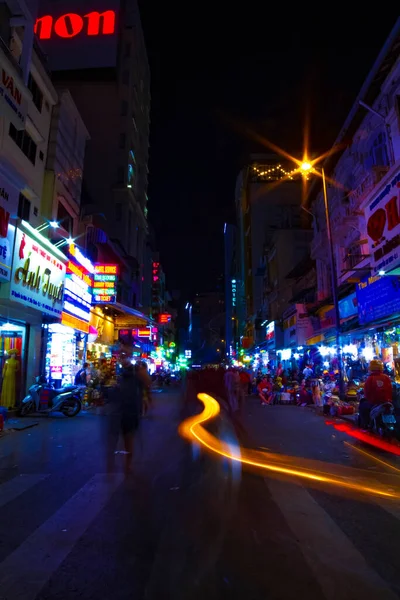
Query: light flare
x=192, y=429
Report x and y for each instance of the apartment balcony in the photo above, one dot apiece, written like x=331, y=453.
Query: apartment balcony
x=344, y=218
x=366, y=185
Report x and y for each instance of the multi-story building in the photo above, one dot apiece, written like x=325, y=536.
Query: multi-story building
x=29, y=264
x=268, y=198
x=363, y=198
x=232, y=297
x=100, y=56
x=61, y=201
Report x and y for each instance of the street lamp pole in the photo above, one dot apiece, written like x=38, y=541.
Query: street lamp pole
x=334, y=285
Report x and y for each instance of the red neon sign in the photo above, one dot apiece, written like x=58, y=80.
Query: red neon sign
x=70, y=25
x=164, y=318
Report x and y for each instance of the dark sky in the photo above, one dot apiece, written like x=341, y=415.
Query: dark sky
x=215, y=70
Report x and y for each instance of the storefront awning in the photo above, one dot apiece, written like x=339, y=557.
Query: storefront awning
x=128, y=310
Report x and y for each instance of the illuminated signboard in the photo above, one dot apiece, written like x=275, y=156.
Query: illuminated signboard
x=38, y=272
x=105, y=284
x=383, y=227
x=146, y=332
x=234, y=292
x=270, y=331
x=78, y=34
x=164, y=318
x=78, y=290
x=156, y=271
x=72, y=24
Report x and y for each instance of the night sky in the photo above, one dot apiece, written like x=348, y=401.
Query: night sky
x=215, y=72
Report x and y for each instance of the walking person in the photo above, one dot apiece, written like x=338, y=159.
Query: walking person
x=232, y=383
x=123, y=412
x=144, y=377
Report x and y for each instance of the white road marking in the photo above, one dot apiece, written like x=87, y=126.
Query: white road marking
x=340, y=569
x=18, y=485
x=26, y=570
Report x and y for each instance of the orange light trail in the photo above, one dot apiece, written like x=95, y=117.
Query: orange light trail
x=192, y=429
x=372, y=457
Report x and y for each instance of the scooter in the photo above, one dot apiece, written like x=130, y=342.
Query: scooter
x=44, y=398
x=382, y=420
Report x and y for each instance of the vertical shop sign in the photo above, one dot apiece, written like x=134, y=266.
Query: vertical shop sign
x=78, y=290
x=105, y=284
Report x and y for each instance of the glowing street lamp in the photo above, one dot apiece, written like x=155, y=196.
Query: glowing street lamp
x=306, y=167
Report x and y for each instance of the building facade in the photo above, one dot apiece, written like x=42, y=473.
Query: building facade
x=111, y=88
x=268, y=198
x=363, y=199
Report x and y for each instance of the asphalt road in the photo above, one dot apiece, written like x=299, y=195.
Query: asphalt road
x=186, y=525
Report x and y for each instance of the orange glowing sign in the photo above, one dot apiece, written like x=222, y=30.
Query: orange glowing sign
x=106, y=269
x=72, y=268
x=70, y=25
x=144, y=332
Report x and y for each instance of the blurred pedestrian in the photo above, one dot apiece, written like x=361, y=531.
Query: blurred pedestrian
x=123, y=413
x=243, y=388
x=144, y=376
x=232, y=383
x=82, y=375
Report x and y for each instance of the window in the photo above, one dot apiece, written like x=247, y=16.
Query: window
x=125, y=77
x=24, y=208
x=124, y=108
x=379, y=151
x=354, y=255
x=37, y=95
x=24, y=142
x=41, y=155
x=122, y=140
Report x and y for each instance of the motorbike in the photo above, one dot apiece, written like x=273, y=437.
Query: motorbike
x=382, y=420
x=44, y=398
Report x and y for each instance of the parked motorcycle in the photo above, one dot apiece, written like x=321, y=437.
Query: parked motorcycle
x=382, y=420
x=44, y=398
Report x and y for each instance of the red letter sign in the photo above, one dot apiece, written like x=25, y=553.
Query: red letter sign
x=43, y=27
x=71, y=24
x=68, y=25
x=107, y=20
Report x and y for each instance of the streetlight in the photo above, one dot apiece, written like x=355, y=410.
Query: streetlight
x=306, y=167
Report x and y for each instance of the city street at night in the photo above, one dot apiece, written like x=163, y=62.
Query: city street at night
x=199, y=302
x=188, y=525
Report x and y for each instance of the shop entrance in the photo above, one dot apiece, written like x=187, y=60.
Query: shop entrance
x=62, y=354
x=12, y=362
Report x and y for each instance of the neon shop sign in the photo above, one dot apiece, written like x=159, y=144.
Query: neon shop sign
x=105, y=284
x=78, y=291
x=70, y=25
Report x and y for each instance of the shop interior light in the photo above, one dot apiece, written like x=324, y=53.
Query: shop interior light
x=9, y=326
x=54, y=224
x=368, y=353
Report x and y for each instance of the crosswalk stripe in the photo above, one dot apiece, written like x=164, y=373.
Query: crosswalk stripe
x=26, y=570
x=18, y=485
x=340, y=569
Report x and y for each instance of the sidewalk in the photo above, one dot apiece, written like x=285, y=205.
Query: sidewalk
x=18, y=424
